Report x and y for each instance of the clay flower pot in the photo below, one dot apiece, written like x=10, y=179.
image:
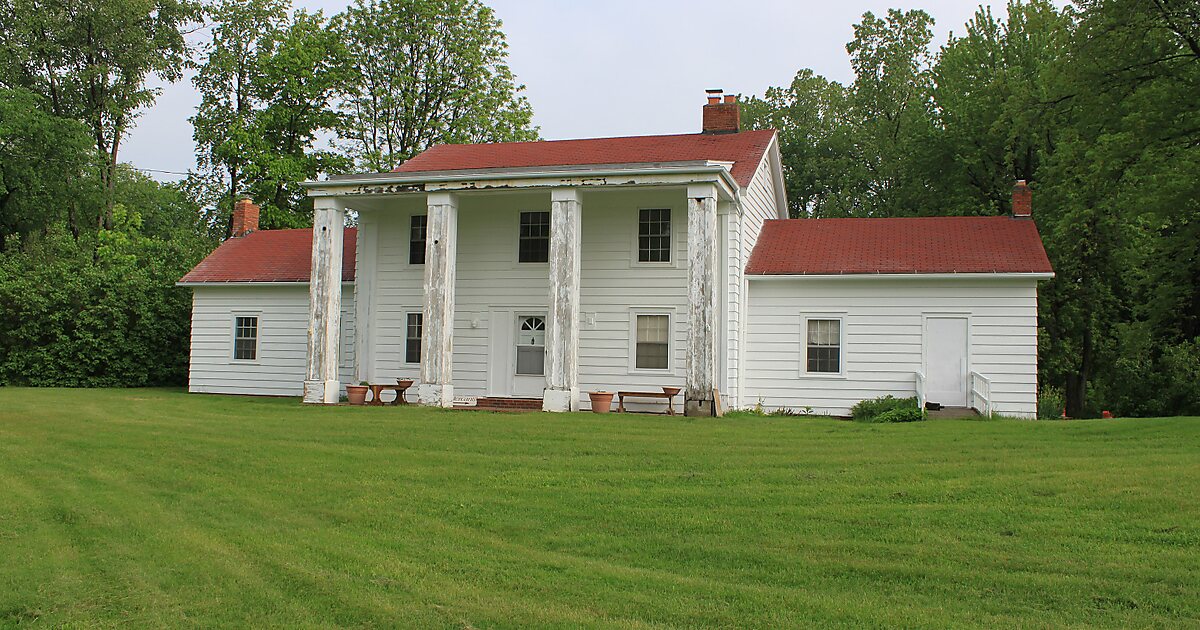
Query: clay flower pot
x=601, y=401
x=672, y=391
x=357, y=394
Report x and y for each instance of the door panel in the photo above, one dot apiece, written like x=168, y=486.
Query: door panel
x=529, y=355
x=946, y=360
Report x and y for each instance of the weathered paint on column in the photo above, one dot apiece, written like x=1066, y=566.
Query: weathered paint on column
x=437, y=322
x=702, y=300
x=364, y=297
x=562, y=327
x=325, y=303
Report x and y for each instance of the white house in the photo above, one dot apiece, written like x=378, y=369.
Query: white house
x=544, y=270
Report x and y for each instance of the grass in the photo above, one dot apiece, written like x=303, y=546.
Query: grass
x=157, y=508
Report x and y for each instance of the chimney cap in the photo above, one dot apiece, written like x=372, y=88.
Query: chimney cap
x=716, y=91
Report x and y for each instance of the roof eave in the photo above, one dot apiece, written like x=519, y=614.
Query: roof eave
x=912, y=275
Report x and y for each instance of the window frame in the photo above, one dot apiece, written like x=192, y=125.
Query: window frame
x=838, y=316
x=424, y=239
x=549, y=220
x=636, y=312
x=421, y=325
x=233, y=337
x=636, y=258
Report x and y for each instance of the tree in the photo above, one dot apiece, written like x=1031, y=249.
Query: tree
x=426, y=72
x=90, y=60
x=266, y=86
x=44, y=163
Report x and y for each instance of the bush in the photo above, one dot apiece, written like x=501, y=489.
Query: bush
x=869, y=410
x=901, y=414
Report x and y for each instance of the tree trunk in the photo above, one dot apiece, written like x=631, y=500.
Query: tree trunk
x=1076, y=393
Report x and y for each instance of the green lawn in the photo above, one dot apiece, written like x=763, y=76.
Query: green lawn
x=158, y=508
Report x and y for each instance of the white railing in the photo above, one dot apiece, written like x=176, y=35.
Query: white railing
x=981, y=393
x=920, y=390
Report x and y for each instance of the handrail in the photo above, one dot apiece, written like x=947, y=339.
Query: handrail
x=981, y=393
x=920, y=390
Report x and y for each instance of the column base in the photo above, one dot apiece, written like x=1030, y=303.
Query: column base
x=560, y=399
x=698, y=407
x=322, y=392
x=435, y=395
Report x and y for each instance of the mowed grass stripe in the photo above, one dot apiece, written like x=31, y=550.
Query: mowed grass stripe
x=153, y=507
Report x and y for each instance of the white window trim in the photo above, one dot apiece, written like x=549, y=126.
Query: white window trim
x=516, y=240
x=404, y=359
x=634, y=261
x=840, y=316
x=258, y=331
x=652, y=310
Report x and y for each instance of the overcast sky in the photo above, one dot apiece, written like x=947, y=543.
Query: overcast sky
x=620, y=67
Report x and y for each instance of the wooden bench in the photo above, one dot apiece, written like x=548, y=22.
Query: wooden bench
x=377, y=390
x=660, y=395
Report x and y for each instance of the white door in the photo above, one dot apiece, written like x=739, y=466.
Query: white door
x=946, y=361
x=529, y=355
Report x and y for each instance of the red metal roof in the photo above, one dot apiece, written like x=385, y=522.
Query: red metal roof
x=268, y=256
x=899, y=246
x=744, y=149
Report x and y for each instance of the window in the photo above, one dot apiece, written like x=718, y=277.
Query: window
x=245, y=338
x=652, y=350
x=531, y=345
x=416, y=239
x=654, y=235
x=412, y=338
x=534, y=243
x=824, y=345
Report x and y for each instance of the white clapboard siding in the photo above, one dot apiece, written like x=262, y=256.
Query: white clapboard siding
x=884, y=338
x=282, y=313
x=489, y=278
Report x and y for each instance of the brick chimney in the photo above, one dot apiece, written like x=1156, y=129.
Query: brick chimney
x=245, y=217
x=721, y=115
x=1022, y=200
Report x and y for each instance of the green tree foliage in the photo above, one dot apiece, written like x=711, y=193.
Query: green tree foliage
x=266, y=84
x=426, y=72
x=90, y=61
x=44, y=163
x=1096, y=106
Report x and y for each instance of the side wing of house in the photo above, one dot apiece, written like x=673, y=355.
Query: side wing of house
x=827, y=343
x=252, y=339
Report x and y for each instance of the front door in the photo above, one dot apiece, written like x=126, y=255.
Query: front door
x=946, y=361
x=529, y=356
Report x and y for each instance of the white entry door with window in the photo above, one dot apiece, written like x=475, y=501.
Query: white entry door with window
x=946, y=340
x=529, y=355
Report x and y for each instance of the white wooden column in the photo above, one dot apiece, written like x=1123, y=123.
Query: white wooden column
x=702, y=300
x=437, y=322
x=325, y=303
x=562, y=326
x=364, y=296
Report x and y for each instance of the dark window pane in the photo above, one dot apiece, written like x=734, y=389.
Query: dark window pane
x=412, y=341
x=654, y=235
x=416, y=240
x=531, y=360
x=651, y=356
x=245, y=338
x=533, y=246
x=822, y=359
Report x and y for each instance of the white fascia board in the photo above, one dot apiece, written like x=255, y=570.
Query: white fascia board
x=901, y=276
x=255, y=283
x=641, y=174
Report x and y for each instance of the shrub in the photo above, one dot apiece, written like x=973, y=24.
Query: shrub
x=868, y=410
x=901, y=414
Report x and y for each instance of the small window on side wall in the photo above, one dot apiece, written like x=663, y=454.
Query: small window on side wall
x=652, y=350
x=654, y=235
x=412, y=338
x=824, y=340
x=416, y=239
x=533, y=245
x=245, y=338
